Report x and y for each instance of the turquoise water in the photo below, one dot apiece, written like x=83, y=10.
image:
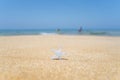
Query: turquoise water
x=61, y=32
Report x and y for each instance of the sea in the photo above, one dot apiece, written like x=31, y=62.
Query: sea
x=96, y=32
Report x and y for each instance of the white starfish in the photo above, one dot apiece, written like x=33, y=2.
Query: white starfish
x=58, y=54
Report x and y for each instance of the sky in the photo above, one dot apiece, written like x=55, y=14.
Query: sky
x=38, y=14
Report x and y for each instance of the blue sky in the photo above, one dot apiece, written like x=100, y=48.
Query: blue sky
x=35, y=14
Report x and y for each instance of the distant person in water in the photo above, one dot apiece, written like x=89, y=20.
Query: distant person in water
x=80, y=30
x=58, y=30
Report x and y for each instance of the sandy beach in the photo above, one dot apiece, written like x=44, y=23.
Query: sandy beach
x=86, y=58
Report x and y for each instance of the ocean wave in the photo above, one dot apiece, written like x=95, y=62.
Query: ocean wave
x=63, y=32
x=44, y=33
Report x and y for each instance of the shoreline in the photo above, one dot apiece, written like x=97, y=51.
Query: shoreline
x=60, y=35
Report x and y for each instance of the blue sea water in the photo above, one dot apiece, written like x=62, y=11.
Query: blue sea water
x=100, y=32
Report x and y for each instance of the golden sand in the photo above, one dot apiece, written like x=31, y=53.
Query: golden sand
x=86, y=58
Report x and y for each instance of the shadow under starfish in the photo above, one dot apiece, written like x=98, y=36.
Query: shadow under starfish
x=59, y=59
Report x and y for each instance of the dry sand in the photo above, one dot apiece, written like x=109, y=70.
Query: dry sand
x=87, y=58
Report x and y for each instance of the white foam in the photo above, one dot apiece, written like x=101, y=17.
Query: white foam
x=43, y=33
